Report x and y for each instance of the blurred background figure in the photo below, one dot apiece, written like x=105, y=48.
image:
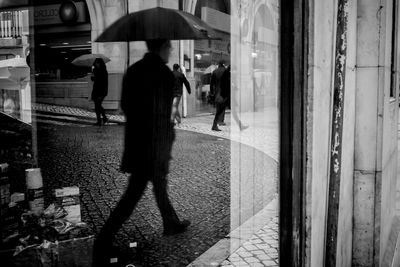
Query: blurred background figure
x=100, y=89
x=215, y=89
x=8, y=104
x=180, y=79
x=226, y=87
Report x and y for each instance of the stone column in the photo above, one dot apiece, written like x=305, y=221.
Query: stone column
x=375, y=136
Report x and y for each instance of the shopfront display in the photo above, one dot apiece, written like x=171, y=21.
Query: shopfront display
x=62, y=33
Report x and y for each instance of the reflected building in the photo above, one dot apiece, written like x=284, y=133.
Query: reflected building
x=15, y=97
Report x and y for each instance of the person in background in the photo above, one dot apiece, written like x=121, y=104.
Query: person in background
x=147, y=94
x=100, y=89
x=226, y=86
x=215, y=89
x=8, y=104
x=180, y=79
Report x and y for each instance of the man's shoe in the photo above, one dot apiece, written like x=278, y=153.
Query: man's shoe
x=215, y=129
x=177, y=228
x=97, y=123
x=105, y=120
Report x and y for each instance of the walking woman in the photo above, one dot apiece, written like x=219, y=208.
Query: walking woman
x=100, y=89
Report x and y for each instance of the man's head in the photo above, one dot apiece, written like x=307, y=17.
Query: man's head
x=161, y=47
x=99, y=63
x=176, y=67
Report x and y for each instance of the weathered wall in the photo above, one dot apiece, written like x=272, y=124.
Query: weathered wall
x=389, y=111
x=389, y=135
x=376, y=133
x=366, y=132
x=345, y=221
x=369, y=155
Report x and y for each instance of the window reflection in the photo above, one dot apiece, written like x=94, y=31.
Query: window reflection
x=255, y=102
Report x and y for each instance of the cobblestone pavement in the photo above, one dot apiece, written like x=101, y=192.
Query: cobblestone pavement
x=199, y=189
x=262, y=248
x=261, y=124
x=73, y=111
x=259, y=127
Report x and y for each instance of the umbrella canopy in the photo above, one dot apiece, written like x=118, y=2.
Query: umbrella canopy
x=14, y=73
x=87, y=60
x=157, y=23
x=210, y=69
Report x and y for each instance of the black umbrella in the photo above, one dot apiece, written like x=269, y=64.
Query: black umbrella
x=157, y=23
x=87, y=60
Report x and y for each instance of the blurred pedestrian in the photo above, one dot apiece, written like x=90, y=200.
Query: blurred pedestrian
x=9, y=106
x=215, y=89
x=147, y=95
x=226, y=87
x=100, y=89
x=180, y=79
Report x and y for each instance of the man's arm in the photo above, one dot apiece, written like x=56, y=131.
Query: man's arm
x=212, y=83
x=186, y=83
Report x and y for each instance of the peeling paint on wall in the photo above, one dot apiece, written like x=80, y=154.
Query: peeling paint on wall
x=337, y=132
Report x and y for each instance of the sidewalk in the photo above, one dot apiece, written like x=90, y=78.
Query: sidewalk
x=255, y=243
x=77, y=112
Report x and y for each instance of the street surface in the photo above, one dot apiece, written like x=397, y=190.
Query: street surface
x=199, y=187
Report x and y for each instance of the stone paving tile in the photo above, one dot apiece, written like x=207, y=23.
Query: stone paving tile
x=73, y=111
x=264, y=254
x=261, y=125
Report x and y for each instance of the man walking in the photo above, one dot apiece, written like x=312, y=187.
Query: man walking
x=215, y=88
x=100, y=89
x=180, y=79
x=226, y=94
x=146, y=100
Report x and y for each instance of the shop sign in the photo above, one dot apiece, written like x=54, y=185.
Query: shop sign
x=220, y=46
x=45, y=15
x=216, y=46
x=10, y=3
x=202, y=45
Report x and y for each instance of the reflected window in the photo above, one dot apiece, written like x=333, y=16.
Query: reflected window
x=207, y=53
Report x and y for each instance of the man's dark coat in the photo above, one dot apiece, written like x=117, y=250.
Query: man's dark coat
x=215, y=83
x=146, y=100
x=180, y=79
x=100, y=84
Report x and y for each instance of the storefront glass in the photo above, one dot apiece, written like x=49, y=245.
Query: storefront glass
x=255, y=120
x=55, y=52
x=225, y=183
x=59, y=42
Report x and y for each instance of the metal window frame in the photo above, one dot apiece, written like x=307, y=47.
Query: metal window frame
x=294, y=47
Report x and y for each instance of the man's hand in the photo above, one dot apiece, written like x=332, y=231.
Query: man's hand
x=175, y=115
